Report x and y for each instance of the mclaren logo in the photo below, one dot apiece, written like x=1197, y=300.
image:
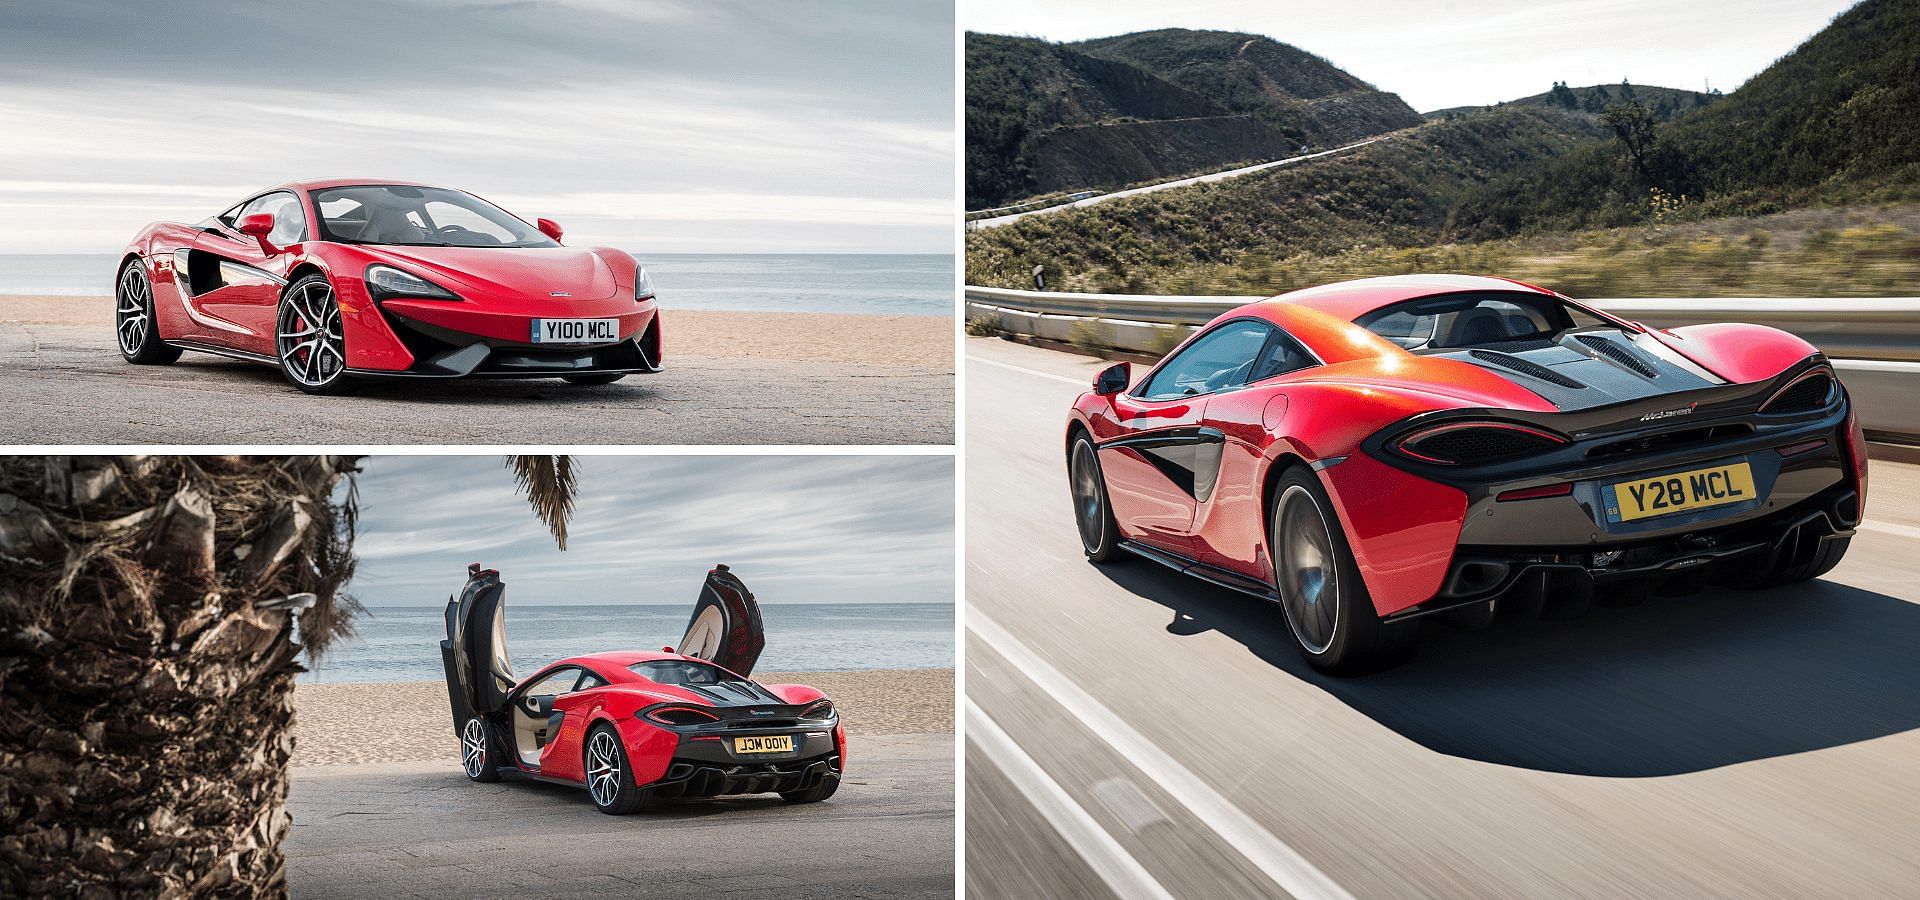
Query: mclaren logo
x=1676, y=412
x=559, y=293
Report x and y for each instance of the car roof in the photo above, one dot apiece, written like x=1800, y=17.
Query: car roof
x=319, y=184
x=613, y=664
x=1349, y=300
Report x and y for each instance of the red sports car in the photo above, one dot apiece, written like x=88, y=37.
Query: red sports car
x=635, y=727
x=1374, y=452
x=351, y=277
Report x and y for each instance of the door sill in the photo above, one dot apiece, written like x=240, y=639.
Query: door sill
x=1203, y=571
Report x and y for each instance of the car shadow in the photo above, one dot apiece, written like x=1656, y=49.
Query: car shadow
x=1677, y=685
x=575, y=796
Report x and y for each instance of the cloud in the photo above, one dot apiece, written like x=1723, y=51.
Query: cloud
x=646, y=529
x=842, y=107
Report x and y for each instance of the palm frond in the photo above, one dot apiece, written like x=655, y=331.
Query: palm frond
x=548, y=484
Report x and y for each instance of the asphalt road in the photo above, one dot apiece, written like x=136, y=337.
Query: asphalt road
x=66, y=384
x=1137, y=733
x=1011, y=218
x=421, y=829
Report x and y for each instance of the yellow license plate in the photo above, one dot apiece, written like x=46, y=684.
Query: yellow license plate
x=1681, y=491
x=772, y=743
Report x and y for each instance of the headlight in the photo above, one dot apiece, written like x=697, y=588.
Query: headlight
x=387, y=281
x=642, y=283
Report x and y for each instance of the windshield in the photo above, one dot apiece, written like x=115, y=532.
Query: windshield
x=409, y=216
x=679, y=672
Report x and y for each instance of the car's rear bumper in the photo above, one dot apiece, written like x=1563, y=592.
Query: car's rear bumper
x=707, y=765
x=1411, y=526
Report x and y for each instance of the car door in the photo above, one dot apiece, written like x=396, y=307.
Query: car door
x=566, y=732
x=1229, y=523
x=1162, y=456
x=238, y=281
x=474, y=653
x=725, y=629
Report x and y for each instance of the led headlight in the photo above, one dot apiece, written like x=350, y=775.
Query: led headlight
x=387, y=281
x=642, y=283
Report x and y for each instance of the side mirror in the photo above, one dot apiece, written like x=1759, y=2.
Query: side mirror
x=1113, y=379
x=548, y=227
x=258, y=226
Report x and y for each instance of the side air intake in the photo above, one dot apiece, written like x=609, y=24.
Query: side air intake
x=1612, y=350
x=1524, y=367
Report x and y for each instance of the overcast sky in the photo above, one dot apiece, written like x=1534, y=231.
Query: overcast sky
x=1442, y=53
x=796, y=529
x=653, y=125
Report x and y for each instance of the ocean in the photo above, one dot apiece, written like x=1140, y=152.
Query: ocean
x=909, y=284
x=402, y=643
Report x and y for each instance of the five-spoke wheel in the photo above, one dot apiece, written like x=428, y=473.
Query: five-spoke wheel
x=474, y=758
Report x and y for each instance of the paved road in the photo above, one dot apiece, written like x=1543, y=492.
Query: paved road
x=1011, y=218
x=422, y=830
x=67, y=384
x=1134, y=732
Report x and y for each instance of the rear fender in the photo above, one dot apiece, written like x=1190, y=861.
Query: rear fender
x=1738, y=352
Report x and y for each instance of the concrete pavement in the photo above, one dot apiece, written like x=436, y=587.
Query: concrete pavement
x=420, y=829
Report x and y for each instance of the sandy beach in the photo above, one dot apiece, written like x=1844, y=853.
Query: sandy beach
x=922, y=341
x=379, y=722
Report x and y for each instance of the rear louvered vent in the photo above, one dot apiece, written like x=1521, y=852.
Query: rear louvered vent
x=1668, y=440
x=1529, y=369
x=1806, y=395
x=1475, y=444
x=1621, y=355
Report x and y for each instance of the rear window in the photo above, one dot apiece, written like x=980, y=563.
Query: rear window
x=677, y=671
x=1460, y=321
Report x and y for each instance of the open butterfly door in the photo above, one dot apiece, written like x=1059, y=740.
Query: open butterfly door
x=725, y=629
x=474, y=653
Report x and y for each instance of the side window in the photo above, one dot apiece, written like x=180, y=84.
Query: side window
x=560, y=682
x=1283, y=354
x=289, y=220
x=589, y=680
x=1220, y=359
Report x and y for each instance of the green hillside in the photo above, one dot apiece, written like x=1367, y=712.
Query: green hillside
x=1665, y=103
x=1832, y=122
x=1393, y=193
x=1045, y=118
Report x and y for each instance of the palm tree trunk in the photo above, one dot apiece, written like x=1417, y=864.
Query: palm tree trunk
x=147, y=660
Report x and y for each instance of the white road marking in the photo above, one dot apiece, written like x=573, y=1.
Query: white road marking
x=1088, y=383
x=1104, y=855
x=1905, y=531
x=1288, y=869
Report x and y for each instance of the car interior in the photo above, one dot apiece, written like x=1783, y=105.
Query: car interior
x=1507, y=322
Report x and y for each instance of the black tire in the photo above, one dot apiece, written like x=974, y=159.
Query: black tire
x=826, y=788
x=1340, y=634
x=133, y=323
x=1819, y=562
x=476, y=751
x=307, y=338
x=626, y=797
x=593, y=379
x=1092, y=513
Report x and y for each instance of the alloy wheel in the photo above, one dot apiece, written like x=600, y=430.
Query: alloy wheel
x=603, y=768
x=473, y=748
x=132, y=317
x=1309, y=579
x=1089, y=514
x=313, y=350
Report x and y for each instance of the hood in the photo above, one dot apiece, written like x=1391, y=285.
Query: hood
x=523, y=271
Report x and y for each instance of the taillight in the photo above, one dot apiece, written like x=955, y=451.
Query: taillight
x=680, y=715
x=1470, y=443
x=1811, y=391
x=818, y=709
x=1534, y=493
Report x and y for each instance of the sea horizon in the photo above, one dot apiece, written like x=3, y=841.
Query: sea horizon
x=402, y=643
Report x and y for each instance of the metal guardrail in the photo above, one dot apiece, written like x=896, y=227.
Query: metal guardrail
x=1874, y=342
